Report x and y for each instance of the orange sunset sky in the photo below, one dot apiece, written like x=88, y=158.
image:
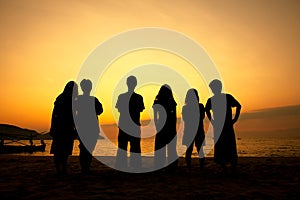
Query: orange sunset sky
x=255, y=45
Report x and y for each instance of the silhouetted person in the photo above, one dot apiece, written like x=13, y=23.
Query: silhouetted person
x=221, y=104
x=88, y=108
x=193, y=114
x=164, y=108
x=63, y=128
x=31, y=140
x=129, y=105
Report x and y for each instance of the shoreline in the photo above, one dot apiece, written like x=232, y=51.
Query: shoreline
x=34, y=177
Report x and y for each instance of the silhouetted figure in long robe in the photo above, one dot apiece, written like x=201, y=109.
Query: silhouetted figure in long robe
x=62, y=128
x=221, y=104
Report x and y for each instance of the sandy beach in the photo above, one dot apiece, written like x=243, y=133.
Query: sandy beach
x=34, y=177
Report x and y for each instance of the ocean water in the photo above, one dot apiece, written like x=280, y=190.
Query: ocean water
x=246, y=146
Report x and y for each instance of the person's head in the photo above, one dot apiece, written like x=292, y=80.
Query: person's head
x=216, y=86
x=165, y=91
x=70, y=89
x=192, y=96
x=86, y=86
x=131, y=83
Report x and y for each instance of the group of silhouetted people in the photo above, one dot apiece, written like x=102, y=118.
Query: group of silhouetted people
x=69, y=107
x=73, y=114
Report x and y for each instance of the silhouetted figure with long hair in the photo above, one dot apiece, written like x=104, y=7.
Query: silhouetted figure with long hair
x=221, y=104
x=129, y=105
x=164, y=108
x=88, y=108
x=62, y=128
x=193, y=114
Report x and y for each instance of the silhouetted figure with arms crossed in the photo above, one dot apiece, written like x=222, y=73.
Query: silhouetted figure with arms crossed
x=164, y=108
x=62, y=128
x=221, y=104
x=129, y=105
x=88, y=108
x=193, y=114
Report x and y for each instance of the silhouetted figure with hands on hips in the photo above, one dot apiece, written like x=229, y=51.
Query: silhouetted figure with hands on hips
x=88, y=108
x=221, y=104
x=129, y=105
x=62, y=128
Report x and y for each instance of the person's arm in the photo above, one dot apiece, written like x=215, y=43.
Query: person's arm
x=234, y=104
x=118, y=104
x=142, y=106
x=183, y=113
x=174, y=111
x=202, y=112
x=155, y=116
x=53, y=125
x=237, y=113
x=207, y=109
x=98, y=107
x=208, y=112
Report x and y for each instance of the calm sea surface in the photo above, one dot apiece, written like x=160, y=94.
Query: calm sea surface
x=247, y=147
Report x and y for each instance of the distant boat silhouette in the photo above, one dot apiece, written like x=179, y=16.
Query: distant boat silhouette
x=5, y=149
x=11, y=140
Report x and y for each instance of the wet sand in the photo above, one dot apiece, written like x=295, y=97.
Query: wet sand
x=34, y=177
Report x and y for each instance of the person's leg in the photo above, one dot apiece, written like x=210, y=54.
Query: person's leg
x=172, y=154
x=234, y=160
x=84, y=159
x=56, y=159
x=135, y=153
x=81, y=157
x=64, y=162
x=121, y=158
x=159, y=152
x=89, y=157
x=201, y=155
x=234, y=163
x=188, y=155
x=89, y=153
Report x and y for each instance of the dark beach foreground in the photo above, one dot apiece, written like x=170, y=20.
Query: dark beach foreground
x=33, y=177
